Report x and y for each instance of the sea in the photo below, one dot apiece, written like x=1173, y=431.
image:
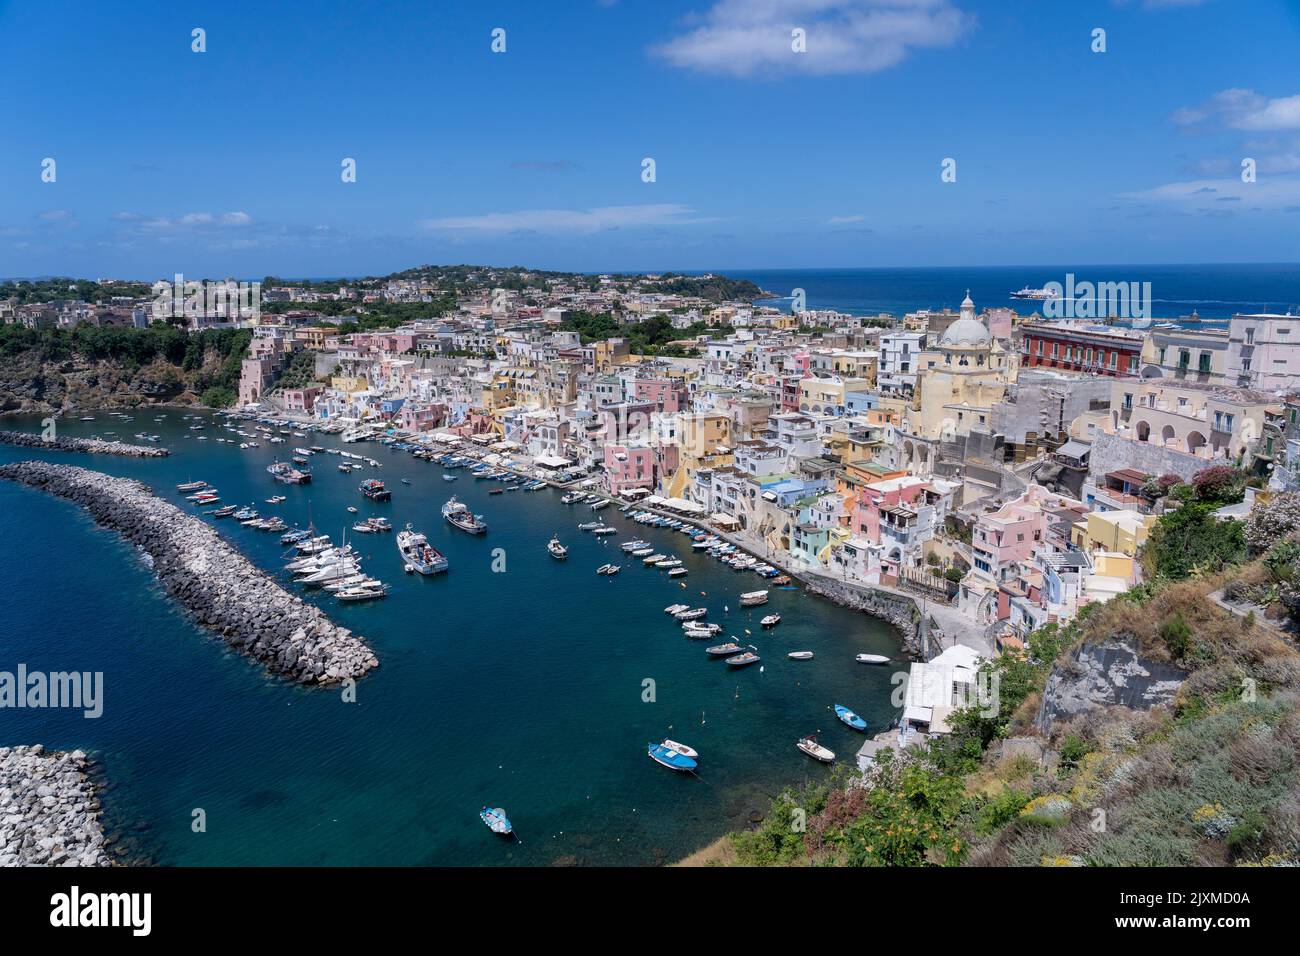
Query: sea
x=513, y=681
x=1213, y=292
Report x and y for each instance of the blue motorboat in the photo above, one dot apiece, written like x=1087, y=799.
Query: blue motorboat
x=671, y=759
x=496, y=821
x=849, y=717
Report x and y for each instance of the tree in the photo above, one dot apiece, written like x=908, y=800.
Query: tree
x=1191, y=538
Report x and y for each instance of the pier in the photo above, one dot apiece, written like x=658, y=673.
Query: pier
x=210, y=578
x=94, y=446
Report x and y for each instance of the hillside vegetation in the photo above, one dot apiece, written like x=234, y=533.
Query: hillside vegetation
x=1212, y=778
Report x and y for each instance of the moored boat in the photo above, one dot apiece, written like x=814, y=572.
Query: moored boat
x=724, y=650
x=670, y=758
x=800, y=655
x=374, y=489
x=682, y=749
x=753, y=598
x=458, y=515
x=743, y=660
x=285, y=473
x=871, y=659
x=848, y=717
x=772, y=620
x=812, y=748
x=558, y=551
x=496, y=821
x=418, y=554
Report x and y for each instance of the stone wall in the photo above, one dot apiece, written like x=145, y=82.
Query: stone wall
x=1111, y=452
x=96, y=446
x=209, y=577
x=49, y=812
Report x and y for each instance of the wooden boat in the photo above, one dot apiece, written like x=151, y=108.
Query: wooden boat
x=812, y=748
x=497, y=491
x=743, y=660
x=871, y=659
x=670, y=758
x=753, y=598
x=772, y=620
x=682, y=749
x=800, y=655
x=496, y=821
x=848, y=717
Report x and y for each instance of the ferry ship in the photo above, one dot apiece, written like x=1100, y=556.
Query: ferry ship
x=418, y=554
x=458, y=514
x=285, y=473
x=1040, y=294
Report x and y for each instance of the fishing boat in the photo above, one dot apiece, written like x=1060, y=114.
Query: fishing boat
x=678, y=573
x=682, y=749
x=603, y=530
x=496, y=821
x=781, y=580
x=224, y=512
x=603, y=503
x=286, y=474
x=418, y=554
x=772, y=620
x=374, y=489
x=812, y=748
x=697, y=633
x=497, y=491
x=189, y=486
x=591, y=525
x=871, y=659
x=743, y=660
x=753, y=598
x=697, y=626
x=669, y=563
x=558, y=551
x=671, y=759
x=572, y=496
x=458, y=515
x=654, y=559
x=633, y=545
x=693, y=614
x=849, y=717
x=800, y=655
x=642, y=552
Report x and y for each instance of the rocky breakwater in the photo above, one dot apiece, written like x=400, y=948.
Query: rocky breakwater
x=96, y=446
x=49, y=814
x=219, y=587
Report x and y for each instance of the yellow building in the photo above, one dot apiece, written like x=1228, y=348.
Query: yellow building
x=1112, y=532
x=960, y=380
x=349, y=383
x=704, y=441
x=826, y=395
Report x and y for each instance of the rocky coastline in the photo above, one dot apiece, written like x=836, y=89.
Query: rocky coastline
x=95, y=446
x=220, y=588
x=49, y=811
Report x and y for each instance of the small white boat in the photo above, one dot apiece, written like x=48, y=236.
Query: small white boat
x=682, y=749
x=871, y=659
x=677, y=573
x=558, y=551
x=753, y=598
x=812, y=748
x=674, y=608
x=772, y=620
x=697, y=626
x=800, y=655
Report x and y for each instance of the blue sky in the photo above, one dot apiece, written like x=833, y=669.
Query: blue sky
x=228, y=161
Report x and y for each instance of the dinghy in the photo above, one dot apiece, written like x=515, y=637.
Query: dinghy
x=800, y=655
x=682, y=749
x=724, y=650
x=871, y=659
x=743, y=660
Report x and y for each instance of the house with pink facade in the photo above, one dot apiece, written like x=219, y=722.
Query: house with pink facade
x=629, y=466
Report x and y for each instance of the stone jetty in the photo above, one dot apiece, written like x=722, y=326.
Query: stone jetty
x=210, y=578
x=96, y=446
x=49, y=813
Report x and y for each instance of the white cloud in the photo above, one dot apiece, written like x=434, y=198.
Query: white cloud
x=580, y=221
x=1243, y=109
x=1206, y=193
x=190, y=220
x=743, y=37
x=839, y=220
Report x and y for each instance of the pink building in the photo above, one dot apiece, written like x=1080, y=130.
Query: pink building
x=1011, y=534
x=629, y=466
x=667, y=393
x=301, y=399
x=422, y=416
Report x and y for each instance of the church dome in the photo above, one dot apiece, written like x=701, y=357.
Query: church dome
x=965, y=332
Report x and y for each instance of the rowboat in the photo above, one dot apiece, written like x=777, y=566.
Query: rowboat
x=800, y=655
x=812, y=748
x=849, y=717
x=670, y=758
x=871, y=659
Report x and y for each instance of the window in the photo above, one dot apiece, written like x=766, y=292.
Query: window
x=1227, y=422
x=1250, y=336
x=1053, y=350
x=1204, y=363
x=1184, y=358
x=1128, y=400
x=1133, y=363
x=1114, y=360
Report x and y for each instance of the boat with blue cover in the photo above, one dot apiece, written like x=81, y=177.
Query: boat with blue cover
x=849, y=717
x=670, y=758
x=496, y=821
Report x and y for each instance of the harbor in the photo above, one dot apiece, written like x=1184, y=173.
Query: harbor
x=523, y=659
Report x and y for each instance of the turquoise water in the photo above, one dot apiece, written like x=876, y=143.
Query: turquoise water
x=520, y=689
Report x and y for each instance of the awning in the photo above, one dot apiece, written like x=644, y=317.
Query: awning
x=681, y=504
x=634, y=492
x=1074, y=449
x=552, y=461
x=726, y=519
